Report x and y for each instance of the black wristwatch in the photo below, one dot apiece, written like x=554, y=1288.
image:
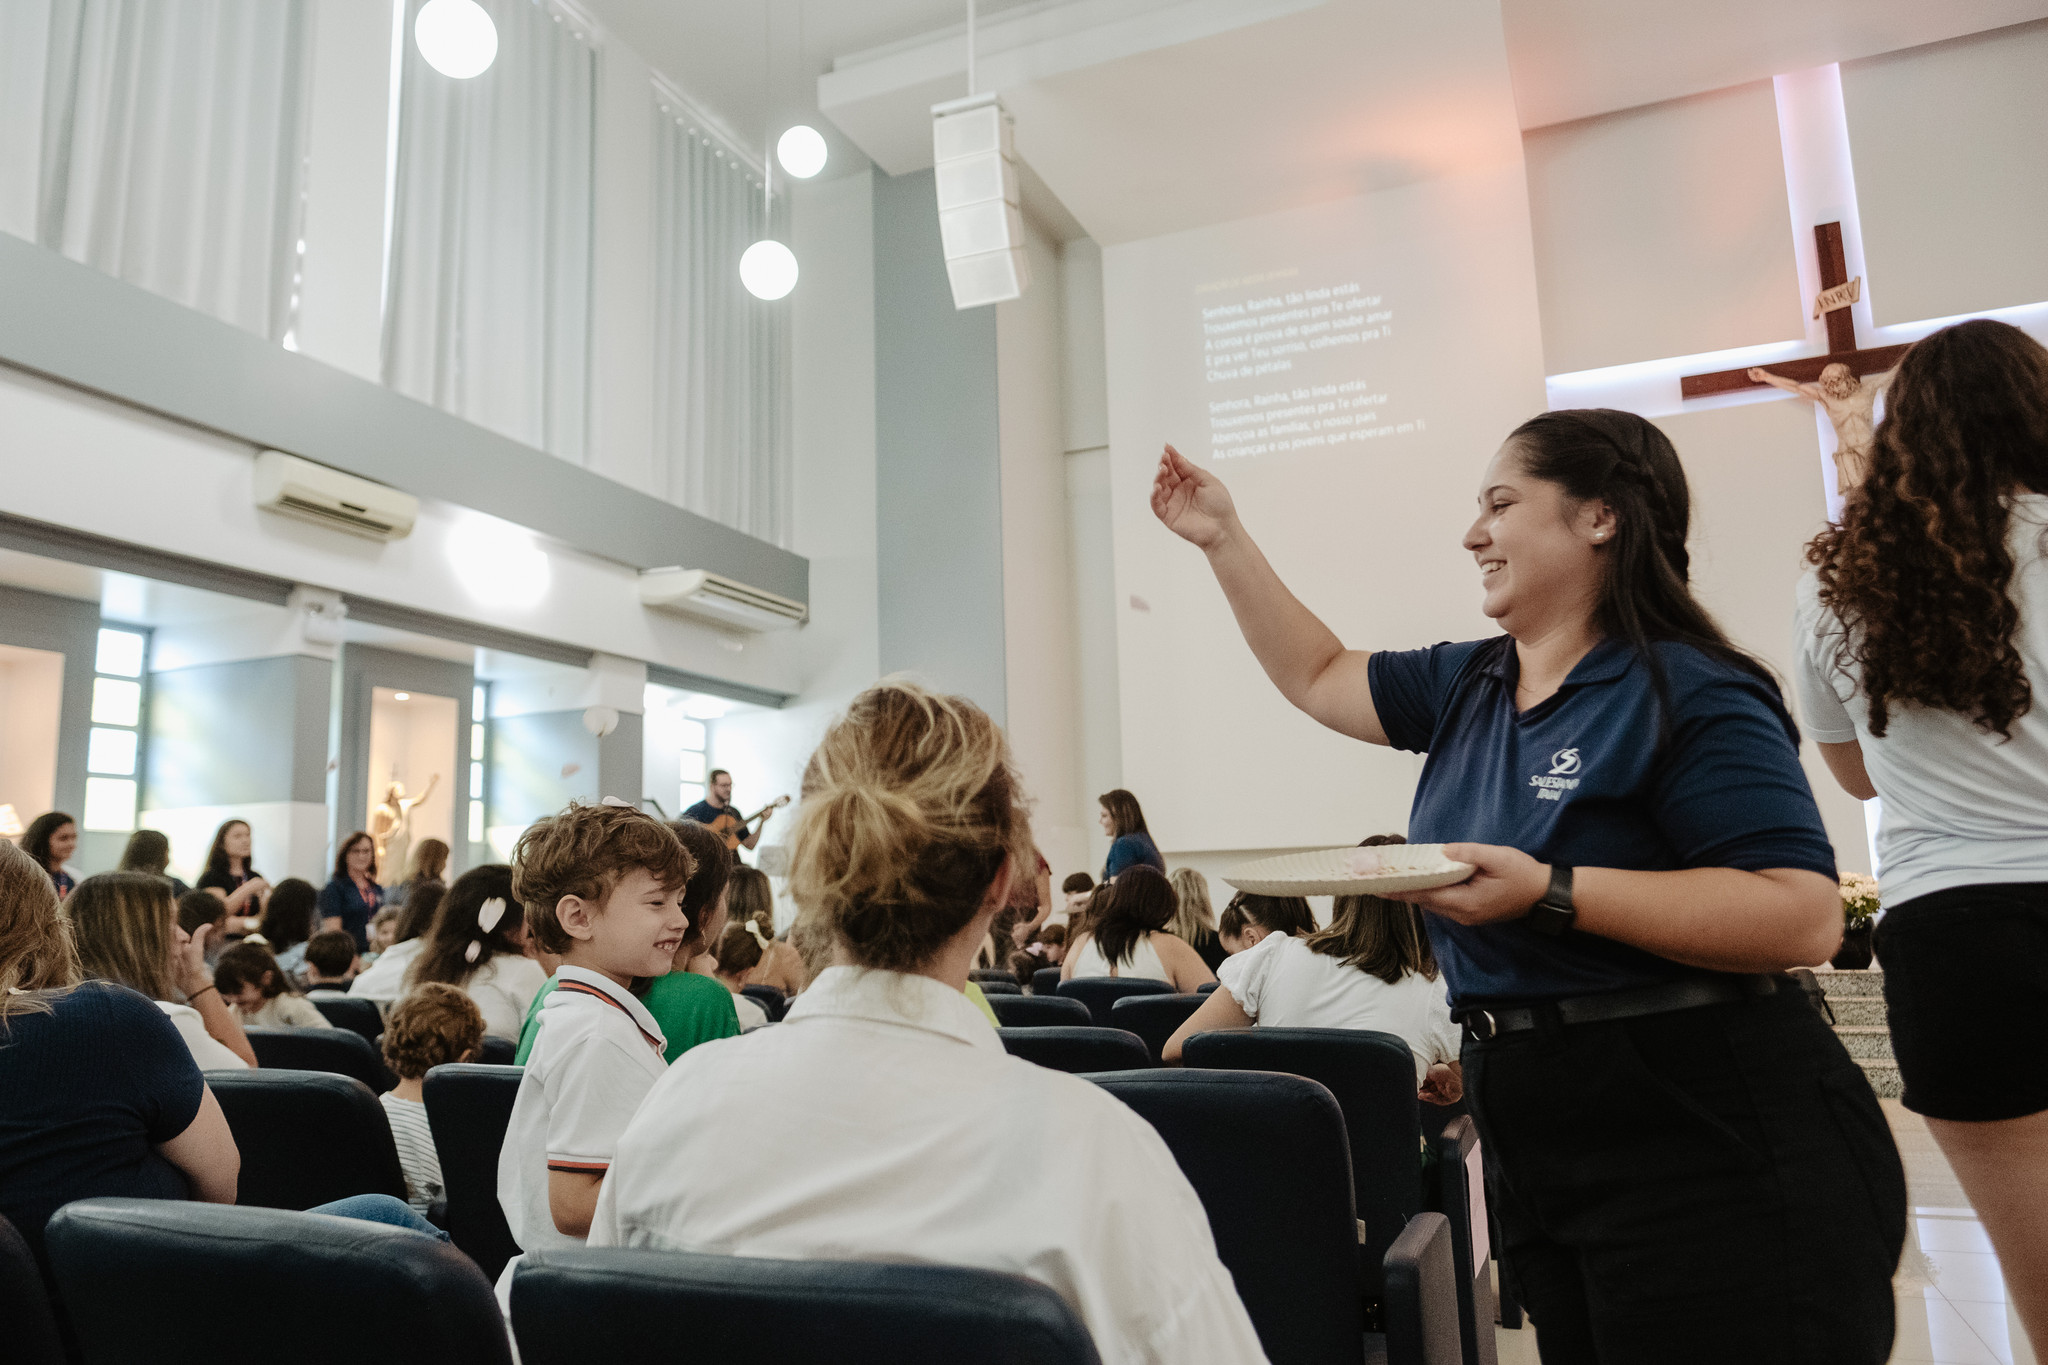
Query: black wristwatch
x=1555, y=913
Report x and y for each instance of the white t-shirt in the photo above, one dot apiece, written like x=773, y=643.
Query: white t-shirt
x=752, y=1016
x=598, y=1054
x=1144, y=962
x=886, y=1123
x=503, y=988
x=1960, y=807
x=1283, y=983
x=283, y=1011
x=210, y=1052
x=417, y=1155
x=384, y=979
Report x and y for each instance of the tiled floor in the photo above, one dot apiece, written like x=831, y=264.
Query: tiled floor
x=1952, y=1302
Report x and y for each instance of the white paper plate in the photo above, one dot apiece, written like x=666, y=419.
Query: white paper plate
x=1409, y=867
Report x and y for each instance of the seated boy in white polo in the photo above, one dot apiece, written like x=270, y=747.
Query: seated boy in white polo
x=601, y=887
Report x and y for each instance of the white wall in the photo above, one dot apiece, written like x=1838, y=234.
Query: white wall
x=1947, y=140
x=1663, y=231
x=832, y=342
x=31, y=701
x=1039, y=642
x=348, y=135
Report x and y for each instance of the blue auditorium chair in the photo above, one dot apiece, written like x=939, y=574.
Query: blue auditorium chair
x=307, y=1137
x=1077, y=1050
x=621, y=1306
x=1458, y=1160
x=1045, y=981
x=992, y=989
x=469, y=1105
x=769, y=999
x=26, y=1314
x=1267, y=1155
x=354, y=1013
x=1040, y=1011
x=1421, y=1306
x=1372, y=1076
x=339, y=1050
x=1100, y=993
x=1154, y=1017
x=137, y=1277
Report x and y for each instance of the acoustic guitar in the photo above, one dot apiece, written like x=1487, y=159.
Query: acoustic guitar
x=727, y=826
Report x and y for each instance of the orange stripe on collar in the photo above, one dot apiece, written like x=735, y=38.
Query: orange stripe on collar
x=580, y=989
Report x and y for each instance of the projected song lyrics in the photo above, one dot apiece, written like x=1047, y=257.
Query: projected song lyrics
x=1283, y=371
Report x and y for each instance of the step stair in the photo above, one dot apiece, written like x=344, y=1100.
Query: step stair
x=1857, y=999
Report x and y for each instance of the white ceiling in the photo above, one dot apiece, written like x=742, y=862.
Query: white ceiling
x=1145, y=116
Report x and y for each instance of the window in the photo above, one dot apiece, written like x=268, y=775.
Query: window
x=479, y=749
x=113, y=751
x=695, y=736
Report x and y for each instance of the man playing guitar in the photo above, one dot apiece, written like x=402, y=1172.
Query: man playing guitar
x=716, y=811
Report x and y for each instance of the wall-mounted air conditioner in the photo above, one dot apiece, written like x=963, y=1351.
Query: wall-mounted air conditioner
x=719, y=600
x=312, y=492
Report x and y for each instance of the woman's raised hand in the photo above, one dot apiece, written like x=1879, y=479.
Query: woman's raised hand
x=1193, y=503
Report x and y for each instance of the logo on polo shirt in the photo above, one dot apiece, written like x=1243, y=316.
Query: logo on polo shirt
x=1553, y=785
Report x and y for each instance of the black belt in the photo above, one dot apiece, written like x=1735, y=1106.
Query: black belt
x=1484, y=1023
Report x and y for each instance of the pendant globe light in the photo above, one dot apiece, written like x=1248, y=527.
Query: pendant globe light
x=768, y=268
x=801, y=151
x=456, y=37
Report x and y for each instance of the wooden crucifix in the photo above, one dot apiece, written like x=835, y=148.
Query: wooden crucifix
x=1836, y=380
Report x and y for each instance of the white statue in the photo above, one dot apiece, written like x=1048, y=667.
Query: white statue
x=1850, y=403
x=391, y=823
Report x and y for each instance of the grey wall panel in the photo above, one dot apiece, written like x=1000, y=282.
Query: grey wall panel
x=363, y=667
x=938, y=493
x=90, y=330
x=67, y=626
x=543, y=760
x=235, y=733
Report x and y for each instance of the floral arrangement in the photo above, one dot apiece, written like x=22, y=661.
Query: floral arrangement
x=1859, y=899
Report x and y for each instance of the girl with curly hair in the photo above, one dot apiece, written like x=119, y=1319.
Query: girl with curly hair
x=1923, y=634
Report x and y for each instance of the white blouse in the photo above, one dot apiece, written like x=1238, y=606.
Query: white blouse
x=502, y=989
x=1283, y=983
x=1144, y=962
x=210, y=1052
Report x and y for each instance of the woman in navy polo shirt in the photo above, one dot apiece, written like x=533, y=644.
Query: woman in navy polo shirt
x=1689, y=1165
x=352, y=895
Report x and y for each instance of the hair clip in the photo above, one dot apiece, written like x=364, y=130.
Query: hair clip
x=759, y=937
x=489, y=913
x=476, y=946
x=618, y=801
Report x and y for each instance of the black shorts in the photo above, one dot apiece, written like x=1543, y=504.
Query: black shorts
x=1966, y=987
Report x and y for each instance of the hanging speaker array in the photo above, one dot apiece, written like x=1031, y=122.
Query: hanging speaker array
x=981, y=227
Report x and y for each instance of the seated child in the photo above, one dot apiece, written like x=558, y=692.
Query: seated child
x=1249, y=918
x=601, y=887
x=1047, y=948
x=383, y=931
x=258, y=991
x=740, y=950
x=434, y=1024
x=203, y=907
x=1074, y=894
x=330, y=962
x=690, y=1007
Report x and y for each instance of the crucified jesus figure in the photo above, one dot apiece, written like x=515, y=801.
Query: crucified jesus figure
x=1849, y=402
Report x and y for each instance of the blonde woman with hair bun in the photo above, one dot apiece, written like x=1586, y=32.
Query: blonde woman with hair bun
x=887, y=1121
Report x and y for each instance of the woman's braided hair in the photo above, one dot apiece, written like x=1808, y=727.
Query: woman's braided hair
x=1628, y=463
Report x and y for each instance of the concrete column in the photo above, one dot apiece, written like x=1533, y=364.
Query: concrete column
x=547, y=755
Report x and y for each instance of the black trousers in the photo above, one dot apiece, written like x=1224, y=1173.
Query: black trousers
x=1714, y=1185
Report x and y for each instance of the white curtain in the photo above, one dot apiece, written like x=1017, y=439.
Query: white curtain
x=487, y=306
x=721, y=355
x=171, y=144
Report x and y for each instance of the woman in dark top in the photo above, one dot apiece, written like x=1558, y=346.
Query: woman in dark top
x=1130, y=842
x=229, y=875
x=352, y=896
x=51, y=838
x=102, y=1095
x=1688, y=1166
